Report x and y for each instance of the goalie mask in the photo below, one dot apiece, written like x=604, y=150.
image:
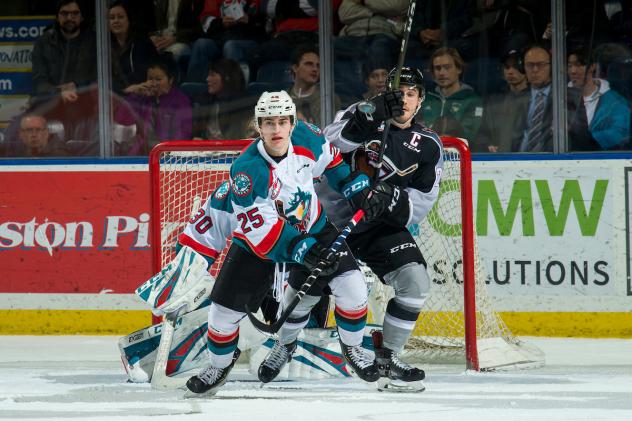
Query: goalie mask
x=274, y=104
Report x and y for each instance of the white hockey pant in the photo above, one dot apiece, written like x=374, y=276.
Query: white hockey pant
x=350, y=294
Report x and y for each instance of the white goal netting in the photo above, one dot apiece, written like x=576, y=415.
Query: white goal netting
x=185, y=173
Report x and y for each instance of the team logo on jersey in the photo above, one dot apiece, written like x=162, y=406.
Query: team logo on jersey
x=275, y=190
x=297, y=211
x=222, y=190
x=242, y=184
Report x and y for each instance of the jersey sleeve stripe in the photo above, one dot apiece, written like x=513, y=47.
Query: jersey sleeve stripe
x=336, y=161
x=303, y=151
x=185, y=240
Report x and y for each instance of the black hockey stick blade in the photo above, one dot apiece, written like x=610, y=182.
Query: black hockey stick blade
x=335, y=246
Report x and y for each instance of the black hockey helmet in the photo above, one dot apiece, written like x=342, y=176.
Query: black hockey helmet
x=410, y=76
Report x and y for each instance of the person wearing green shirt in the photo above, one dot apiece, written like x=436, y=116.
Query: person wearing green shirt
x=452, y=108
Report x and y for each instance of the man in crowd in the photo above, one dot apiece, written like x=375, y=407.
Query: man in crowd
x=64, y=57
x=453, y=108
x=305, y=90
x=538, y=132
x=502, y=117
x=607, y=112
x=36, y=140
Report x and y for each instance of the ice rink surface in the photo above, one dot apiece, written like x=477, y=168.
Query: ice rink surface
x=81, y=378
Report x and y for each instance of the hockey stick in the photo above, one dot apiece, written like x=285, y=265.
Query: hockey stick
x=398, y=73
x=159, y=377
x=335, y=246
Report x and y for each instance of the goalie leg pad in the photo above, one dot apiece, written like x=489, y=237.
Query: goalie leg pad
x=182, y=284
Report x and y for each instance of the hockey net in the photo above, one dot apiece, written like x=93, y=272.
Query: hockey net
x=458, y=321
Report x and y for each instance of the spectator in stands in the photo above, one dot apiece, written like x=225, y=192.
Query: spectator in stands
x=372, y=29
x=289, y=23
x=614, y=63
x=436, y=23
x=160, y=110
x=225, y=111
x=64, y=57
x=305, y=89
x=538, y=133
x=177, y=27
x=607, y=112
x=502, y=113
x=36, y=140
x=231, y=30
x=619, y=14
x=518, y=24
x=375, y=72
x=453, y=108
x=131, y=52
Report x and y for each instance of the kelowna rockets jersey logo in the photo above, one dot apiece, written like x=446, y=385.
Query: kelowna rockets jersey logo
x=297, y=211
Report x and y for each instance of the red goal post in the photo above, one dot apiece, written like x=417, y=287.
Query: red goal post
x=184, y=173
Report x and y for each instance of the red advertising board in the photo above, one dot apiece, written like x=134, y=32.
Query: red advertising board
x=74, y=231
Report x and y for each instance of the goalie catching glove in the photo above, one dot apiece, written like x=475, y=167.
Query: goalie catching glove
x=387, y=105
x=306, y=250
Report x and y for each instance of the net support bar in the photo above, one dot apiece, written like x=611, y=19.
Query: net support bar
x=467, y=235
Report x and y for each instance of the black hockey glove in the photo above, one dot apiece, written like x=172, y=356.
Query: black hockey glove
x=319, y=255
x=397, y=208
x=387, y=105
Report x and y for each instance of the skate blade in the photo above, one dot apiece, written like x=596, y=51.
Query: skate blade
x=208, y=394
x=397, y=386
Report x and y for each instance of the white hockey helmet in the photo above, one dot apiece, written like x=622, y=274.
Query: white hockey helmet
x=274, y=104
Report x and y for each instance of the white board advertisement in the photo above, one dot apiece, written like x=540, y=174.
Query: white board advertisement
x=552, y=234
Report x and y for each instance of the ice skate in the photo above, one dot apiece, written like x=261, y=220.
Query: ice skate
x=209, y=380
x=396, y=375
x=274, y=362
x=360, y=362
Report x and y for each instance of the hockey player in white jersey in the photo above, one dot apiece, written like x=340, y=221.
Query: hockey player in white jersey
x=410, y=173
x=280, y=221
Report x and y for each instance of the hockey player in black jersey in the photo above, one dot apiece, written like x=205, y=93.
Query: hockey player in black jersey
x=408, y=182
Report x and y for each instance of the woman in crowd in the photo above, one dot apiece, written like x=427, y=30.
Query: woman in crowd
x=131, y=51
x=160, y=110
x=224, y=111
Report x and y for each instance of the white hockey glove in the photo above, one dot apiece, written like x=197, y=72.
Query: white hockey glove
x=184, y=283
